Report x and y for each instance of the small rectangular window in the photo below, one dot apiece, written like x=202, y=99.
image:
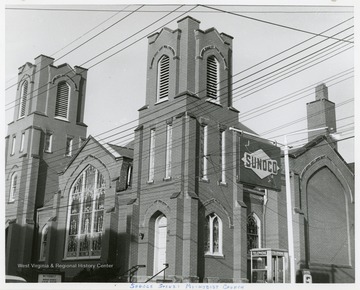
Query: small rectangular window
x=69, y=143
x=22, y=142
x=152, y=155
x=48, y=142
x=13, y=145
x=168, y=150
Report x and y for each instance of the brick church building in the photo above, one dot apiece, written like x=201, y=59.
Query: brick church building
x=196, y=196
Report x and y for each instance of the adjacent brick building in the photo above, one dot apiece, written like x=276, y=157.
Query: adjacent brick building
x=175, y=197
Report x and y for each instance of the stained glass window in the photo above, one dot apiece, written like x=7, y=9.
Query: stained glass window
x=13, y=188
x=213, y=235
x=252, y=233
x=44, y=238
x=86, y=215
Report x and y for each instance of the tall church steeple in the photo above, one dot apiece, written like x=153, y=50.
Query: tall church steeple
x=46, y=131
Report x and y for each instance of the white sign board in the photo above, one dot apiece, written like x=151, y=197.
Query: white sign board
x=49, y=278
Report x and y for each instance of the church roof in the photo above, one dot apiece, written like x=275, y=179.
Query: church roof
x=121, y=151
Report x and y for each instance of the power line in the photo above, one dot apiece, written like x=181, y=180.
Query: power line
x=87, y=32
x=292, y=74
x=91, y=38
x=107, y=50
x=321, y=52
x=272, y=23
x=199, y=11
x=228, y=153
x=158, y=148
x=152, y=188
x=130, y=122
x=298, y=92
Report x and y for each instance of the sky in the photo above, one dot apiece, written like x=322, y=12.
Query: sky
x=271, y=87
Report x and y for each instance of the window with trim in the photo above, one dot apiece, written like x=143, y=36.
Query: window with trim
x=129, y=176
x=212, y=78
x=62, y=100
x=69, y=145
x=13, y=187
x=152, y=156
x=213, y=235
x=23, y=98
x=223, y=157
x=43, y=244
x=253, y=232
x=86, y=215
x=13, y=145
x=48, y=141
x=204, y=150
x=163, y=78
x=168, y=151
x=22, y=142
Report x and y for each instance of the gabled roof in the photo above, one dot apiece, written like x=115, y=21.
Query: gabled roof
x=114, y=150
x=299, y=151
x=122, y=151
x=295, y=153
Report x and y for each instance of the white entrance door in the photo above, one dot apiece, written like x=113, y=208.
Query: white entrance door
x=160, y=243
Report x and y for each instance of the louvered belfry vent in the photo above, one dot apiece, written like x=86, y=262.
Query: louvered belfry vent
x=23, y=97
x=62, y=100
x=163, y=77
x=212, y=77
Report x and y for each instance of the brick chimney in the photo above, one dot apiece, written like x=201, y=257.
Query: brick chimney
x=321, y=113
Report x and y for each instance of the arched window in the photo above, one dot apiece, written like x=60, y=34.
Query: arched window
x=160, y=243
x=163, y=78
x=13, y=188
x=253, y=232
x=62, y=100
x=23, y=97
x=86, y=215
x=44, y=239
x=212, y=78
x=213, y=235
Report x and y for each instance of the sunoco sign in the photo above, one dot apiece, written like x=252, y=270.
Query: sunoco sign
x=259, y=163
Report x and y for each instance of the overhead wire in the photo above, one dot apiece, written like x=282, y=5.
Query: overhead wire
x=180, y=141
x=272, y=23
x=262, y=11
x=83, y=69
x=78, y=38
x=144, y=191
x=129, y=122
x=267, y=58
